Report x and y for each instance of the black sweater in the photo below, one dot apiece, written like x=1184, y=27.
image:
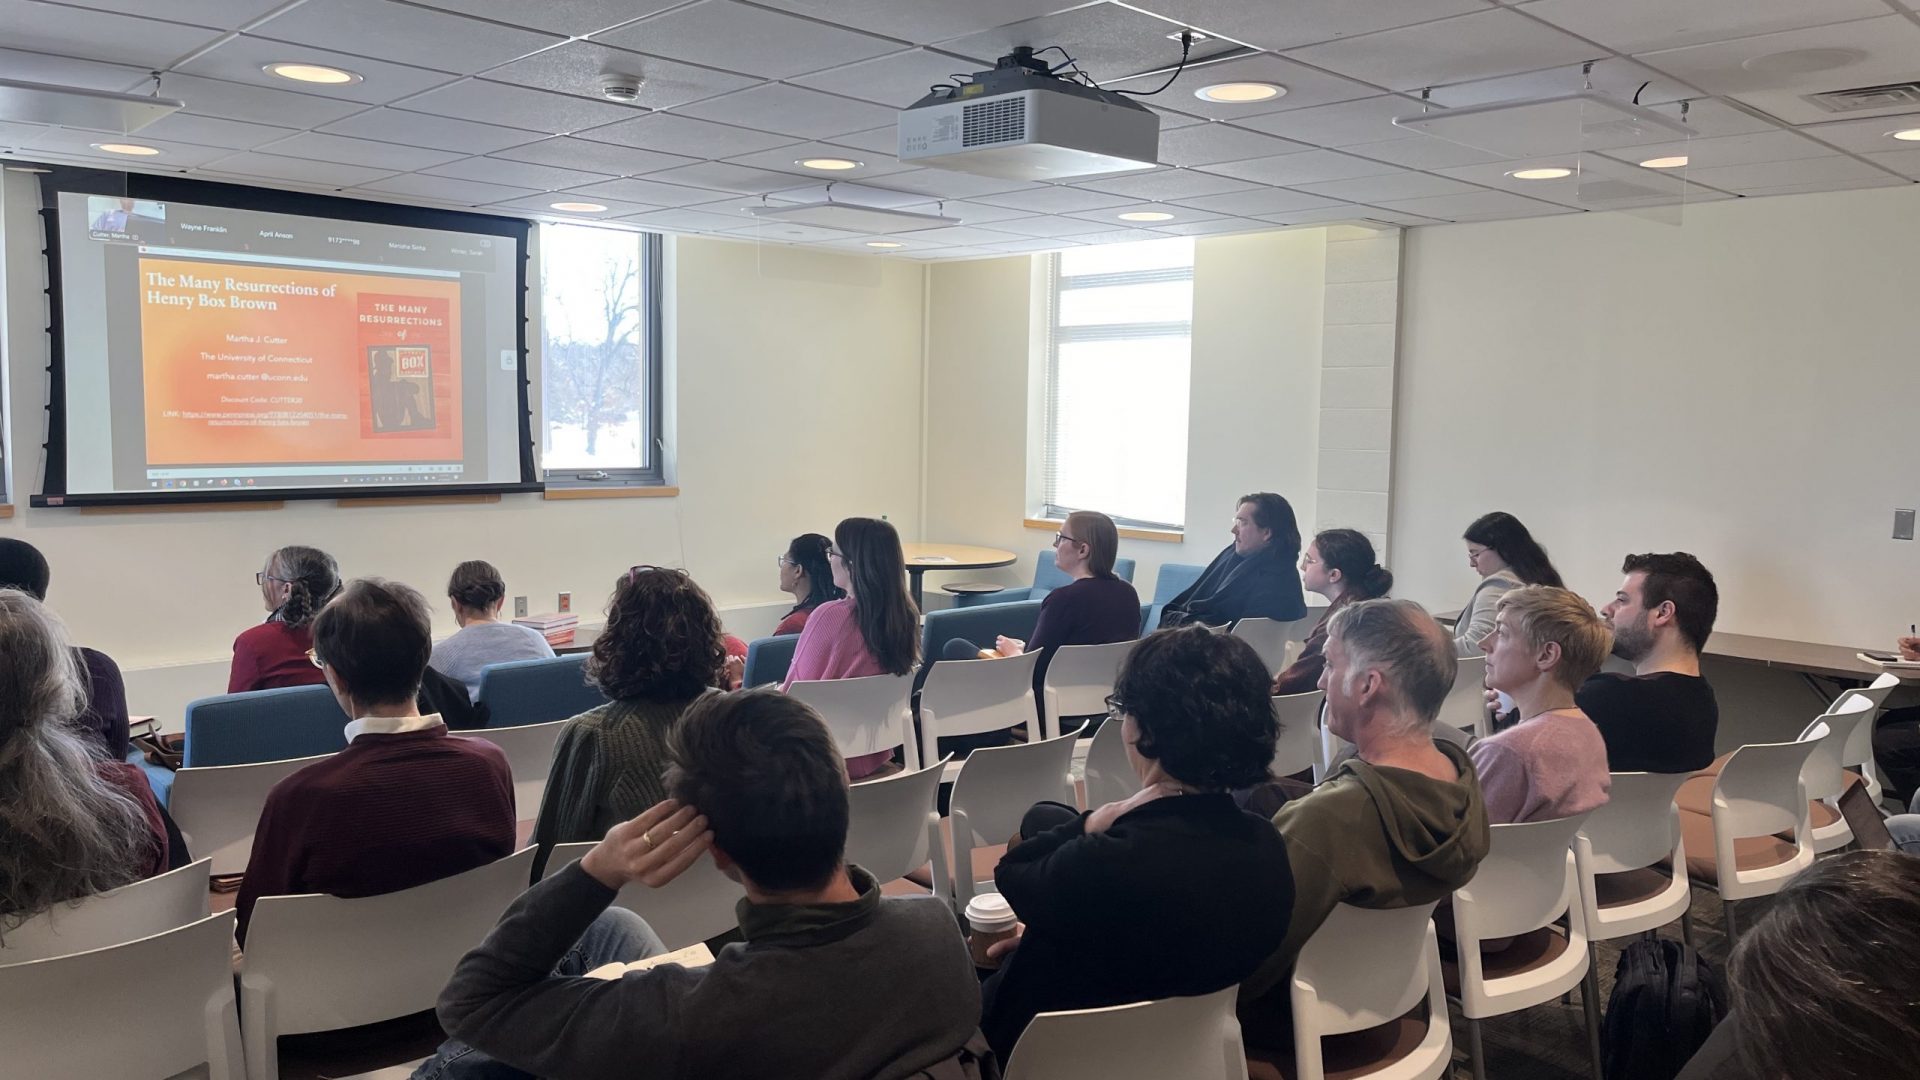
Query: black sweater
x=1264, y=584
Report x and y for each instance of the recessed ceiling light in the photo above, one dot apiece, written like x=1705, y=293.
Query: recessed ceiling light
x=1240, y=93
x=883, y=244
x=579, y=207
x=130, y=149
x=1146, y=215
x=311, y=73
x=1909, y=135
x=829, y=164
x=1803, y=61
x=1551, y=172
x=1678, y=161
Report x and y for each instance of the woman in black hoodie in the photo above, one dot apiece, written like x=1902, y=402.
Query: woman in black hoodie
x=1254, y=577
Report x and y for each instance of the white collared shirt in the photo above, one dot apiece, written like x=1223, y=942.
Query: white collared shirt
x=392, y=725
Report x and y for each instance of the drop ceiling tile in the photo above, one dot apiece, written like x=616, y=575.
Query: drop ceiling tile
x=945, y=184
x=1347, y=123
x=895, y=81
x=445, y=189
x=1214, y=226
x=1119, y=236
x=1809, y=189
x=173, y=155
x=494, y=170
x=595, y=157
x=1260, y=201
x=881, y=140
x=688, y=220
x=1021, y=247
x=1308, y=21
x=517, y=106
x=751, y=40
x=721, y=176
x=1597, y=183
x=184, y=126
x=791, y=110
x=648, y=192
x=276, y=167
x=1730, y=149
x=1308, y=167
x=1167, y=184
x=421, y=129
x=542, y=205
x=1622, y=79
x=1208, y=144
x=969, y=213
x=13, y=133
x=1053, y=199
x=951, y=254
x=1635, y=26
x=1306, y=87
x=814, y=190
x=1904, y=162
x=1109, y=217
x=786, y=232
x=1423, y=152
x=403, y=33
x=1871, y=51
x=66, y=71
x=221, y=14
x=1051, y=227
x=1473, y=204
x=858, y=245
x=575, y=68
x=1395, y=217
x=696, y=139
x=97, y=35
x=1378, y=189
x=392, y=157
x=1863, y=136
x=1481, y=45
x=962, y=234
x=241, y=59
x=571, y=17
x=1109, y=41
x=1741, y=179
x=1325, y=214
x=1708, y=117
x=786, y=159
x=255, y=104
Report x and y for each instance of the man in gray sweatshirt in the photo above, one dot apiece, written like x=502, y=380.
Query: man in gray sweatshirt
x=833, y=981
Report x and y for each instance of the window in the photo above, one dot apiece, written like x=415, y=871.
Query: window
x=1120, y=322
x=600, y=355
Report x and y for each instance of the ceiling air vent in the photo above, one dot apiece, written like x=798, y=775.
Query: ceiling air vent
x=1904, y=95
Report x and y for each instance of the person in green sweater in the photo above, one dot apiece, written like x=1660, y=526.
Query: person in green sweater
x=1389, y=666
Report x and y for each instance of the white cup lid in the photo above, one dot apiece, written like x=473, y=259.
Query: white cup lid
x=990, y=911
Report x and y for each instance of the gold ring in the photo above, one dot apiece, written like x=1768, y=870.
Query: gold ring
x=647, y=839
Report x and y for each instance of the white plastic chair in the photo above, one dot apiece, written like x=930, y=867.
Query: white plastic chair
x=1078, y=681
x=1466, y=704
x=131, y=912
x=1328, y=749
x=1268, y=638
x=865, y=715
x=158, y=1006
x=894, y=823
x=1526, y=883
x=529, y=750
x=1363, y=968
x=218, y=807
x=1109, y=775
x=316, y=963
x=974, y=697
x=1858, y=753
x=1825, y=776
x=996, y=787
x=1298, y=716
x=1759, y=792
x=1193, y=1038
x=697, y=905
x=1637, y=830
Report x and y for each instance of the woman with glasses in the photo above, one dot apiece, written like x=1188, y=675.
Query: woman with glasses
x=805, y=573
x=296, y=584
x=660, y=651
x=874, y=631
x=1339, y=565
x=1506, y=556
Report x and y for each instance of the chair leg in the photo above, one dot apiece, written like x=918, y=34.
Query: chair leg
x=1733, y=925
x=1590, y=1005
x=1475, y=1054
x=1686, y=926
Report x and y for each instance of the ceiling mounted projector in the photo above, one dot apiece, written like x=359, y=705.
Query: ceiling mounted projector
x=71, y=106
x=1022, y=122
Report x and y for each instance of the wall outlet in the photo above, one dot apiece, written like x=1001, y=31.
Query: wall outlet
x=1903, y=524
x=566, y=603
x=519, y=607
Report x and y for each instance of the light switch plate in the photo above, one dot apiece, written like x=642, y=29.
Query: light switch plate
x=566, y=603
x=519, y=607
x=1903, y=524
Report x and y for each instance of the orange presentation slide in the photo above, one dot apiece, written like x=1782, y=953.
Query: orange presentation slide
x=276, y=365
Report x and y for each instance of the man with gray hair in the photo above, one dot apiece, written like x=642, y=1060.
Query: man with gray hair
x=1401, y=823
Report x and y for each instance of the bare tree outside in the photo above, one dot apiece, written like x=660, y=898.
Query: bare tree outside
x=592, y=325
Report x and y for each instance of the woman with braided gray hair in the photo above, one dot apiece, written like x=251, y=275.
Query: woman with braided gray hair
x=296, y=584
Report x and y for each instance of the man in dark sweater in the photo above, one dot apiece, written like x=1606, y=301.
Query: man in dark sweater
x=405, y=803
x=1254, y=577
x=833, y=982
x=1662, y=717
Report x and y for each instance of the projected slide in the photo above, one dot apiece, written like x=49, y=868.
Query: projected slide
x=230, y=348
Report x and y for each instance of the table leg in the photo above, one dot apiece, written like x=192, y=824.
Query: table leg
x=914, y=574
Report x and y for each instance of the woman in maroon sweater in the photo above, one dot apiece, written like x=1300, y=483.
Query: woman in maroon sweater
x=806, y=574
x=296, y=584
x=1338, y=565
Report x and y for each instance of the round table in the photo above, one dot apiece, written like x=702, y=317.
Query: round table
x=924, y=557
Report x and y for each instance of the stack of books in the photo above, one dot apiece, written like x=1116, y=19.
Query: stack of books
x=557, y=626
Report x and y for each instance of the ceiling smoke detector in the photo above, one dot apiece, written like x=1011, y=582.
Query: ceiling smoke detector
x=621, y=87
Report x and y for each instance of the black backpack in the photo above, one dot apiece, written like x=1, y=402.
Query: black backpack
x=1666, y=1000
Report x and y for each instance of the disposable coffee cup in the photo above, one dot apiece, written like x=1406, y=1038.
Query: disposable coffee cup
x=990, y=919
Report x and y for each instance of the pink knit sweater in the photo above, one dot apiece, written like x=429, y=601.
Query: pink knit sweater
x=1552, y=766
x=831, y=647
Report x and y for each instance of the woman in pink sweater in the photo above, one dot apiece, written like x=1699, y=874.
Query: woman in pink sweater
x=874, y=631
x=1553, y=763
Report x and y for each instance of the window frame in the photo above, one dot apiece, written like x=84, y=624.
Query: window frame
x=652, y=341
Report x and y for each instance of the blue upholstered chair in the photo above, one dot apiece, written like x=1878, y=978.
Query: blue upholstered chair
x=264, y=725
x=978, y=623
x=768, y=659
x=537, y=691
x=1173, y=579
x=1046, y=578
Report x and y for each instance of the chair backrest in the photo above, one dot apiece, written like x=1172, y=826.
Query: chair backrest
x=970, y=697
x=996, y=787
x=1833, y=731
x=1298, y=716
x=1078, y=680
x=325, y=962
x=1109, y=775
x=1525, y=882
x=536, y=691
x=697, y=905
x=1169, y=581
x=157, y=1006
x=1268, y=638
x=131, y=912
x=1760, y=791
x=1638, y=824
x=263, y=725
x=1362, y=968
x=1858, y=746
x=865, y=715
x=887, y=831
x=1194, y=1038
x=1466, y=704
x=217, y=808
x=1047, y=576
x=978, y=623
x=529, y=750
x=768, y=659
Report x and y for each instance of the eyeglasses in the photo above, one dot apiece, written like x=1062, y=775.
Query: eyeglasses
x=783, y=561
x=313, y=657
x=1060, y=538
x=1115, y=708
x=1475, y=553
x=261, y=577
x=836, y=553
x=645, y=568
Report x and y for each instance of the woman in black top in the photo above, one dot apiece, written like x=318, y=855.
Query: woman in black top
x=1173, y=892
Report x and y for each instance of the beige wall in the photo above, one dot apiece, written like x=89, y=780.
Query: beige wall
x=1742, y=386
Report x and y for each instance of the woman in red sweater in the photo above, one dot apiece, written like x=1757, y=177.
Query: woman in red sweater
x=805, y=572
x=296, y=584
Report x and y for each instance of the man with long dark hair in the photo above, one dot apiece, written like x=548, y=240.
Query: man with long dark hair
x=1254, y=577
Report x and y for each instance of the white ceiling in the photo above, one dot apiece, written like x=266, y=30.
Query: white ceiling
x=494, y=104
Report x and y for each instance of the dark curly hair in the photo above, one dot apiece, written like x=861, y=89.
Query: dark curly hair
x=1200, y=701
x=662, y=640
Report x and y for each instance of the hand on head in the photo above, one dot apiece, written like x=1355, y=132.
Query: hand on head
x=653, y=848
x=1909, y=648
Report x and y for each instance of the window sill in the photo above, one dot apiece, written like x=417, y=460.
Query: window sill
x=630, y=491
x=1164, y=536
x=6, y=510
